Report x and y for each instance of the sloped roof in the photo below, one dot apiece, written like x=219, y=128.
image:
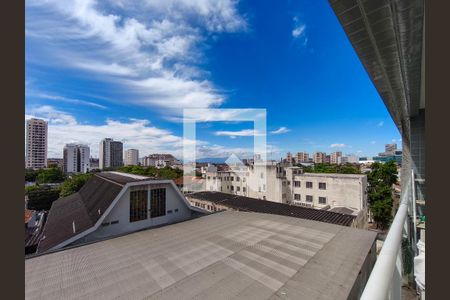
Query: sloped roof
x=242, y=203
x=80, y=210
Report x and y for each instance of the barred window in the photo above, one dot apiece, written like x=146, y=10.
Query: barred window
x=297, y=183
x=138, y=205
x=158, y=202
x=322, y=200
x=297, y=197
x=309, y=185
x=322, y=186
x=309, y=198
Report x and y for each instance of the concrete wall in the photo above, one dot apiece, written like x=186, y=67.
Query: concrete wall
x=341, y=190
x=121, y=213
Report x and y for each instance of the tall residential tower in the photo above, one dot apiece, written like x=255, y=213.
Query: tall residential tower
x=36, y=144
x=110, y=154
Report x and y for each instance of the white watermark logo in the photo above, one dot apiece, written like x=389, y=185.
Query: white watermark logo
x=191, y=117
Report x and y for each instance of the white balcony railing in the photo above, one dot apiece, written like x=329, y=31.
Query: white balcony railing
x=385, y=281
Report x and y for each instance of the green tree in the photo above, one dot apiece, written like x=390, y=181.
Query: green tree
x=380, y=180
x=30, y=175
x=41, y=197
x=50, y=175
x=74, y=184
x=382, y=212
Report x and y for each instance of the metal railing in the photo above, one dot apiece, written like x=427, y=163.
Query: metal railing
x=385, y=281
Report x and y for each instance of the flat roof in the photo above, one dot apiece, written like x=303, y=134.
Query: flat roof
x=224, y=255
x=332, y=175
x=243, y=203
x=122, y=178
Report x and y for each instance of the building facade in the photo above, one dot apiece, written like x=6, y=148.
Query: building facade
x=286, y=184
x=160, y=161
x=110, y=154
x=336, y=157
x=76, y=158
x=319, y=157
x=36, y=143
x=302, y=157
x=131, y=157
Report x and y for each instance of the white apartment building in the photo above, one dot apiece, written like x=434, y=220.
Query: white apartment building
x=319, y=157
x=131, y=157
x=302, y=157
x=110, y=153
x=336, y=157
x=76, y=158
x=339, y=192
x=36, y=143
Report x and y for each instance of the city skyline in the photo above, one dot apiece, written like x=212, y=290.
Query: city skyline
x=299, y=66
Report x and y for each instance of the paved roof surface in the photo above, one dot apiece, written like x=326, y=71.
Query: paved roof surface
x=220, y=256
x=256, y=205
x=81, y=209
x=122, y=178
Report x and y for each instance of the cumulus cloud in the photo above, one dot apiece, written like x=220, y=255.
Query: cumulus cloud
x=299, y=31
x=280, y=130
x=150, y=50
x=134, y=133
x=234, y=134
x=337, y=145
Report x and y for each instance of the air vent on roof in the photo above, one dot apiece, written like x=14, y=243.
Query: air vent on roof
x=99, y=213
x=73, y=226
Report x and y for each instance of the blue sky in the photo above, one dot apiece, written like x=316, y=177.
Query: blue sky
x=126, y=69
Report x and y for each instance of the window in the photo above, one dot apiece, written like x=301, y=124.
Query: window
x=232, y=178
x=297, y=197
x=297, y=183
x=243, y=179
x=309, y=185
x=169, y=211
x=309, y=198
x=244, y=189
x=238, y=188
x=322, y=200
x=176, y=209
x=138, y=205
x=238, y=179
x=158, y=203
x=209, y=177
x=322, y=186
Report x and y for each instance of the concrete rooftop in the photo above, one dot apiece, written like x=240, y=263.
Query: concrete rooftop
x=219, y=256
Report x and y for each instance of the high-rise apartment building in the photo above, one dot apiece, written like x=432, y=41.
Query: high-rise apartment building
x=76, y=158
x=36, y=144
x=302, y=157
x=390, y=148
x=289, y=157
x=131, y=157
x=336, y=157
x=110, y=153
x=319, y=157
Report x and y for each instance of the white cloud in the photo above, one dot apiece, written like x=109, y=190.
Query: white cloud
x=69, y=100
x=134, y=133
x=298, y=31
x=148, y=49
x=338, y=145
x=280, y=130
x=380, y=124
x=234, y=134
